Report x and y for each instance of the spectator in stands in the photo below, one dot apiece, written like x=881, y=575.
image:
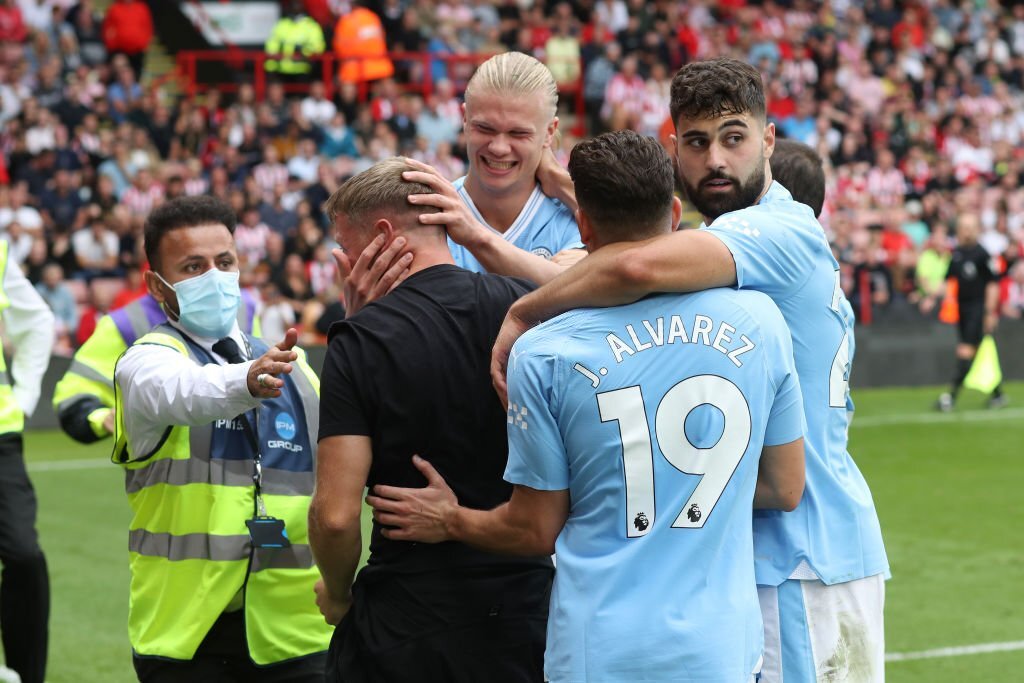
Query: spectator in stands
x=271, y=173
x=360, y=45
x=19, y=242
x=624, y=96
x=14, y=208
x=143, y=195
x=562, y=49
x=96, y=250
x=128, y=30
x=100, y=298
x=338, y=139
x=316, y=108
x=293, y=43
x=276, y=313
x=251, y=239
x=305, y=166
x=62, y=302
x=276, y=215
x=63, y=208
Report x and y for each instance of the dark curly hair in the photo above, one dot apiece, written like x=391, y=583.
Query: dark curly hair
x=716, y=87
x=184, y=212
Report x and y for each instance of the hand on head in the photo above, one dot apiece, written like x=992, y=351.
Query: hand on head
x=374, y=273
x=452, y=213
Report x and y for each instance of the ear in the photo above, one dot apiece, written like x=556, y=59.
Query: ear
x=552, y=129
x=464, y=122
x=384, y=227
x=677, y=212
x=587, y=235
x=155, y=287
x=769, y=140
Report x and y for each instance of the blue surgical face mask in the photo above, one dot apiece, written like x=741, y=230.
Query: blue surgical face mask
x=208, y=304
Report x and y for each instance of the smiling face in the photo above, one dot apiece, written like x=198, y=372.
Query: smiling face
x=722, y=161
x=506, y=134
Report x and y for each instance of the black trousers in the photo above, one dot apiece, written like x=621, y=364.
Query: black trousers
x=24, y=583
x=450, y=630
x=223, y=657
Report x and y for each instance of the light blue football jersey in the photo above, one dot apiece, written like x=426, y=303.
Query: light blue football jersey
x=544, y=227
x=653, y=416
x=780, y=249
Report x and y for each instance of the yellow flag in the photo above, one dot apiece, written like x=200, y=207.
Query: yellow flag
x=985, y=374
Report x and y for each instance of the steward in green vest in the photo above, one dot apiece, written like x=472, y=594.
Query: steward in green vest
x=28, y=330
x=295, y=38
x=216, y=433
x=84, y=397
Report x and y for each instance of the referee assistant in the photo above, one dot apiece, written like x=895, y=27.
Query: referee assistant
x=978, y=300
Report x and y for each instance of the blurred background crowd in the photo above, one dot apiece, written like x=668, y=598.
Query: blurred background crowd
x=916, y=107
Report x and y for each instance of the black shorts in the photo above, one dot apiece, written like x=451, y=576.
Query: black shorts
x=972, y=324
x=429, y=629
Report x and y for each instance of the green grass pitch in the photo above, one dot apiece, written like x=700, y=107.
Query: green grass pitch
x=948, y=490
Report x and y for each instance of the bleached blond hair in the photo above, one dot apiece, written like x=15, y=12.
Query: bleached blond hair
x=514, y=73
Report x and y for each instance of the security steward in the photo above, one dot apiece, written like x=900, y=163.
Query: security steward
x=83, y=399
x=24, y=584
x=213, y=432
x=295, y=38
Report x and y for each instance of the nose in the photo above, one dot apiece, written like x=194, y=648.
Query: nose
x=499, y=145
x=715, y=158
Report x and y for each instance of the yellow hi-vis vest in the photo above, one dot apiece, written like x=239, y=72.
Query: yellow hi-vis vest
x=189, y=548
x=11, y=417
x=302, y=37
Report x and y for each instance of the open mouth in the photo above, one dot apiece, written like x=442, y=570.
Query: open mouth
x=498, y=165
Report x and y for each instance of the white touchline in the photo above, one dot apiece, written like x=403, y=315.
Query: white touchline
x=933, y=418
x=62, y=465
x=981, y=648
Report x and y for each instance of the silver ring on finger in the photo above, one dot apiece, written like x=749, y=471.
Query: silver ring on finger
x=261, y=379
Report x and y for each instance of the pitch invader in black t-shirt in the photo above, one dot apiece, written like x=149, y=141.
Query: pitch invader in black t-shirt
x=978, y=299
x=409, y=374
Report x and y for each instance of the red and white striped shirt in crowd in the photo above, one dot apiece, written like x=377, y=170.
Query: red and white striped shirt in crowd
x=268, y=176
x=886, y=187
x=251, y=242
x=140, y=202
x=321, y=275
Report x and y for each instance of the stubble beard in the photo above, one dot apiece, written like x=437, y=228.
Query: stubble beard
x=711, y=206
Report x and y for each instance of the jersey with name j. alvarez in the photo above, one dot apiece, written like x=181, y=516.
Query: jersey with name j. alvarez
x=653, y=415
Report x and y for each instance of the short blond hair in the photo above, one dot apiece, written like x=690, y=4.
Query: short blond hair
x=514, y=73
x=378, y=188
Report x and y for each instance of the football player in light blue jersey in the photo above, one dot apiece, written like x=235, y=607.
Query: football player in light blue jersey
x=821, y=568
x=641, y=436
x=510, y=122
x=513, y=213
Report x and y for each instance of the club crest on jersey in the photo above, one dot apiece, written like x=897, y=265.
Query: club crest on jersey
x=542, y=252
x=641, y=522
x=694, y=513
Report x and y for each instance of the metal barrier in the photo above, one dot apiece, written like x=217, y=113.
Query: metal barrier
x=249, y=67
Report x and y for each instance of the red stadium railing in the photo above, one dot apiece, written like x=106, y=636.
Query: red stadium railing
x=251, y=66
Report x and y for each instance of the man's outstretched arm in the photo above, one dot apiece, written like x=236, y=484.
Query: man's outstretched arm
x=617, y=274
x=527, y=524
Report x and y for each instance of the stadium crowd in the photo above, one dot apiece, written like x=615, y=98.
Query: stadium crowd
x=917, y=108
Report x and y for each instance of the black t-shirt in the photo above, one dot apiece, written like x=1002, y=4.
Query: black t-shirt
x=972, y=267
x=411, y=371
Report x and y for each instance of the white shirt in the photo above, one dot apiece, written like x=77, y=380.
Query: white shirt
x=29, y=327
x=160, y=388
